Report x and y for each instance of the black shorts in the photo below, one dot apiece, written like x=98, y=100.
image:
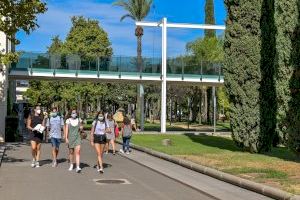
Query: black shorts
x=100, y=139
x=36, y=136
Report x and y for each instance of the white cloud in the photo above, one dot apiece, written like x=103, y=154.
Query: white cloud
x=56, y=21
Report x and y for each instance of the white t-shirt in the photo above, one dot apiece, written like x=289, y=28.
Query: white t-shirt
x=100, y=127
x=55, y=124
x=73, y=122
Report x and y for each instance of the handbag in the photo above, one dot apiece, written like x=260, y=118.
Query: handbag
x=117, y=131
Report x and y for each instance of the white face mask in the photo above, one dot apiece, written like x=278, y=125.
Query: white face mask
x=38, y=111
x=100, y=118
x=74, y=115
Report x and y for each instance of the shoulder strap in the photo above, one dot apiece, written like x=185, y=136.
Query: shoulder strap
x=96, y=121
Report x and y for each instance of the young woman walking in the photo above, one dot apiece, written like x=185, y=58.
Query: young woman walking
x=98, y=138
x=126, y=134
x=35, y=124
x=110, y=135
x=72, y=135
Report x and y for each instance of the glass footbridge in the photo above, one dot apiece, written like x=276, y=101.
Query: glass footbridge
x=182, y=69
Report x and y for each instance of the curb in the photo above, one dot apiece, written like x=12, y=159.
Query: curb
x=2, y=152
x=234, y=180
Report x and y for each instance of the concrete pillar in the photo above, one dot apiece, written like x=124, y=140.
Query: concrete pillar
x=3, y=87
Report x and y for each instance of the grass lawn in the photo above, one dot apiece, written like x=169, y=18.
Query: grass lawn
x=279, y=168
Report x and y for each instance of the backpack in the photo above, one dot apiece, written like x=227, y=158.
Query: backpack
x=127, y=131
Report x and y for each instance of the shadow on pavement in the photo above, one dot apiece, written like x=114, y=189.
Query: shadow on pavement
x=13, y=160
x=45, y=162
x=105, y=165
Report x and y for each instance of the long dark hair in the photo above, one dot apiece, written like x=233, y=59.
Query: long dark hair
x=126, y=121
x=32, y=113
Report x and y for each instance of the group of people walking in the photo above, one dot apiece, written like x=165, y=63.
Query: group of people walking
x=103, y=134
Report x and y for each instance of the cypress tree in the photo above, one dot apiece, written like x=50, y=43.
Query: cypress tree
x=242, y=70
x=286, y=19
x=267, y=90
x=293, y=118
x=209, y=18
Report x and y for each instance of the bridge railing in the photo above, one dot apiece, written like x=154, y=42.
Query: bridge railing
x=57, y=63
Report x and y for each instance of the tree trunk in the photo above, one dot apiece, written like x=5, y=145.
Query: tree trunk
x=140, y=88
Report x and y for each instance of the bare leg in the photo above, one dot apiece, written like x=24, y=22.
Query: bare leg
x=77, y=156
x=106, y=147
x=54, y=155
x=99, y=150
x=33, y=149
x=113, y=145
x=71, y=156
x=38, y=151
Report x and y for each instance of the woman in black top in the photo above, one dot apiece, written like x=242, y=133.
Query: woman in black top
x=36, y=137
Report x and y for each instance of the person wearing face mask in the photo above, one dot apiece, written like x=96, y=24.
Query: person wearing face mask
x=98, y=138
x=36, y=137
x=110, y=134
x=54, y=125
x=72, y=135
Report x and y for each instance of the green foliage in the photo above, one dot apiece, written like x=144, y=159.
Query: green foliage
x=209, y=18
x=87, y=39
x=56, y=45
x=223, y=101
x=286, y=20
x=18, y=15
x=137, y=9
x=294, y=103
x=242, y=71
x=207, y=49
x=267, y=90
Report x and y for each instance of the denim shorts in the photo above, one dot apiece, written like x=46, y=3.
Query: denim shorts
x=55, y=142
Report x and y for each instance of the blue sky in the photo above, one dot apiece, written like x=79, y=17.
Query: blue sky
x=56, y=21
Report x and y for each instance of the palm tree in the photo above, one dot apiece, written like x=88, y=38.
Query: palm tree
x=137, y=10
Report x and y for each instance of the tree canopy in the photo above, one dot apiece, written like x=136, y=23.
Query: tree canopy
x=18, y=15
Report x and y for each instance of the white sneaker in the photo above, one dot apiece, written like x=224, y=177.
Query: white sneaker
x=121, y=150
x=106, y=152
x=37, y=164
x=98, y=168
x=101, y=171
x=127, y=152
x=33, y=164
x=71, y=167
x=54, y=164
x=78, y=169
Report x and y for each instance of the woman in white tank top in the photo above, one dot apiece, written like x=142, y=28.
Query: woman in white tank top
x=98, y=138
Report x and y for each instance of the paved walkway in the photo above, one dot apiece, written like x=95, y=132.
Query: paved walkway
x=201, y=182
x=18, y=181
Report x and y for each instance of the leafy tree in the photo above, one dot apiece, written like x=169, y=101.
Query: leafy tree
x=223, y=101
x=56, y=45
x=87, y=39
x=18, y=15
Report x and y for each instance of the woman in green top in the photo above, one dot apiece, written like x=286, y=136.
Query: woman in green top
x=73, y=128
